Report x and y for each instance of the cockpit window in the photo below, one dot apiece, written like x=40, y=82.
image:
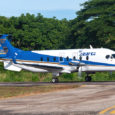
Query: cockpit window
x=107, y=56
x=110, y=56
x=113, y=55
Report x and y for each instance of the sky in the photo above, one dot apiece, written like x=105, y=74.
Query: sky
x=48, y=8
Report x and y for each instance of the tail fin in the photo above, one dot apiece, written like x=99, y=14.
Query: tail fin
x=6, y=49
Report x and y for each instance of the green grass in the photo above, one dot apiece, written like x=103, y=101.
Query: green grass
x=26, y=76
x=98, y=76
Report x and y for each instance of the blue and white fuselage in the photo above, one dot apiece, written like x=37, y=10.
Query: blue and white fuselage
x=56, y=61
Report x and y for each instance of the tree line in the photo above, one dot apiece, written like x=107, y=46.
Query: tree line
x=94, y=25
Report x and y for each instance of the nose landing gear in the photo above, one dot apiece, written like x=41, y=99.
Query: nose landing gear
x=55, y=78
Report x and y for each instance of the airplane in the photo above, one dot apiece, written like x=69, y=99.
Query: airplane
x=57, y=62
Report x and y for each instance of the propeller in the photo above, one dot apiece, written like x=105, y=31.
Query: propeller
x=79, y=65
x=110, y=73
x=80, y=71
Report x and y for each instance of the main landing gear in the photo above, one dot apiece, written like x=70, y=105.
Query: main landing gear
x=88, y=78
x=55, y=80
x=55, y=77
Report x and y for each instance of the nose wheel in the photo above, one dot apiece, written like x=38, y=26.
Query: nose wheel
x=88, y=78
x=55, y=77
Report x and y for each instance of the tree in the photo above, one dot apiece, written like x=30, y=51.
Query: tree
x=95, y=24
x=32, y=32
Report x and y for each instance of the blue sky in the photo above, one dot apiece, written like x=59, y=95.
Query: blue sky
x=48, y=8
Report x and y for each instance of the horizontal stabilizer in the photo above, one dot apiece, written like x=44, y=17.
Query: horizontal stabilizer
x=9, y=66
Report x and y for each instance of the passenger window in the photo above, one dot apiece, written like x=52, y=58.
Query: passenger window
x=87, y=57
x=61, y=58
x=67, y=58
x=47, y=58
x=54, y=58
x=41, y=59
x=74, y=58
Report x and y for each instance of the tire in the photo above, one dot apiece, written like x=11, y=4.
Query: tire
x=88, y=79
x=55, y=80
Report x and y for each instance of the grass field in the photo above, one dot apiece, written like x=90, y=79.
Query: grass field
x=26, y=76
x=7, y=92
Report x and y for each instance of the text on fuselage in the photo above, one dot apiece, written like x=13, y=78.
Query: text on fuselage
x=88, y=54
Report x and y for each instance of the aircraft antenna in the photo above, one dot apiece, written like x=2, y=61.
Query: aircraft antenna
x=90, y=46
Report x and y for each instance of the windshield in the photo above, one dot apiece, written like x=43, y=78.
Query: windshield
x=113, y=55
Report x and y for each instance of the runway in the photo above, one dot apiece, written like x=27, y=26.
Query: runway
x=22, y=84
x=95, y=98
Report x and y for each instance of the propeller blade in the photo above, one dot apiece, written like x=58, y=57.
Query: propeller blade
x=110, y=73
x=80, y=71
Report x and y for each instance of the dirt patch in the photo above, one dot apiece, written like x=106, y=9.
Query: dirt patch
x=8, y=92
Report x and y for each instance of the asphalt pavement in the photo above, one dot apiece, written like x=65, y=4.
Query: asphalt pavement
x=90, y=99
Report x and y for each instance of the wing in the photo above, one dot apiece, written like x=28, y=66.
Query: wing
x=46, y=67
x=50, y=67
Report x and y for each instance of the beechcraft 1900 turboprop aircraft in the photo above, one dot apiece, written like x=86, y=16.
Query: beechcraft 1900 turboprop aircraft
x=57, y=61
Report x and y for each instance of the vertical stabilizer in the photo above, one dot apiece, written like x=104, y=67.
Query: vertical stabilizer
x=6, y=49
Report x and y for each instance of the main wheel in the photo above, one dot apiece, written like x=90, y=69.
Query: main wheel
x=55, y=80
x=88, y=79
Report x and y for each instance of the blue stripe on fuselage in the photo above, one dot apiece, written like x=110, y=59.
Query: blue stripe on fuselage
x=96, y=63
x=31, y=56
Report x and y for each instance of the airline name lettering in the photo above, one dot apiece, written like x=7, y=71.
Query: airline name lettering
x=88, y=54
